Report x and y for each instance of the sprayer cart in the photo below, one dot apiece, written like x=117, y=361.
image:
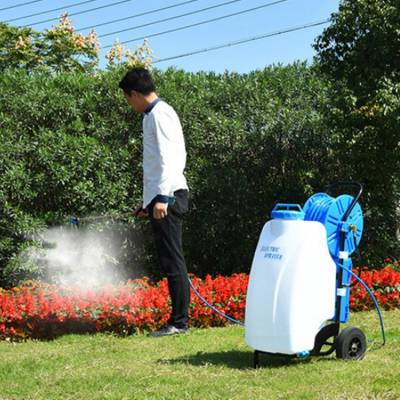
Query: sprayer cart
x=299, y=286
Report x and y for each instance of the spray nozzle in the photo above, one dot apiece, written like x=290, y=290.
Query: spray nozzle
x=75, y=222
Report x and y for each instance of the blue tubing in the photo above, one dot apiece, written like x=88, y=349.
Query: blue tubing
x=235, y=321
x=373, y=299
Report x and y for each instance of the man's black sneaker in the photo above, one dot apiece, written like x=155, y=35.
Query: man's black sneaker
x=168, y=330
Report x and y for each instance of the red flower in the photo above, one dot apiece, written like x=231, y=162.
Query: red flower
x=40, y=310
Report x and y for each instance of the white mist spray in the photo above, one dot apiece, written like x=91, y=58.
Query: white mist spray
x=80, y=257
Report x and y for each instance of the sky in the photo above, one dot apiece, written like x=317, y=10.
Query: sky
x=284, y=14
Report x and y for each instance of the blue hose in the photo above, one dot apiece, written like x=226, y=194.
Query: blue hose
x=235, y=321
x=373, y=299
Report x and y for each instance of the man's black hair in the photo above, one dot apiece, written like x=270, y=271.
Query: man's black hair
x=138, y=79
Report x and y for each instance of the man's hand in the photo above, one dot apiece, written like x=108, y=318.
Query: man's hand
x=141, y=212
x=160, y=210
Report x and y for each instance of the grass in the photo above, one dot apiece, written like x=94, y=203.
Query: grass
x=204, y=364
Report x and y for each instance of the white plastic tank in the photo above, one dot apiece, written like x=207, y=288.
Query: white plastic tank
x=291, y=292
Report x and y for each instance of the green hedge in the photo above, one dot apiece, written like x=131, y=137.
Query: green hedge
x=71, y=146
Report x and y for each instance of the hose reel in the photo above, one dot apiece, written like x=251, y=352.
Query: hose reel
x=337, y=214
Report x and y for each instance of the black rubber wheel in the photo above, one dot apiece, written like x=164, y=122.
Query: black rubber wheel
x=351, y=344
x=326, y=339
x=256, y=359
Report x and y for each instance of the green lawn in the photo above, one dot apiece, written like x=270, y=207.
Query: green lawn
x=204, y=364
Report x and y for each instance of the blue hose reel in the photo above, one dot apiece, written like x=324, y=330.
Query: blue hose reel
x=343, y=220
x=330, y=212
x=344, y=223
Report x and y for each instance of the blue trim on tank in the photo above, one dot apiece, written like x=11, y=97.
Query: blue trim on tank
x=288, y=211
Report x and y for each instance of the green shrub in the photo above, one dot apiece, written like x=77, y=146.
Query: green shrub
x=70, y=145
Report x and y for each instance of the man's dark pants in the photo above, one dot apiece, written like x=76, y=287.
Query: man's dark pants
x=168, y=240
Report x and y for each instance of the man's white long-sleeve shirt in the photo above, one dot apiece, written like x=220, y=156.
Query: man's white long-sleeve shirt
x=164, y=153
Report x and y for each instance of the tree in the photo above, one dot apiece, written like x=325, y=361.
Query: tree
x=61, y=49
x=58, y=49
x=362, y=45
x=118, y=56
x=360, y=53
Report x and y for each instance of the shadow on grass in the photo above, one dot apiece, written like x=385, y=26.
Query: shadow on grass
x=49, y=329
x=233, y=359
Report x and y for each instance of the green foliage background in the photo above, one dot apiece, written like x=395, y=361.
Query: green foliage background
x=359, y=53
x=70, y=145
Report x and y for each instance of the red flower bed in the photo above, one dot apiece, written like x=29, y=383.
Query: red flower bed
x=385, y=285
x=38, y=310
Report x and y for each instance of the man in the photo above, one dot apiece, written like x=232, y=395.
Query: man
x=165, y=191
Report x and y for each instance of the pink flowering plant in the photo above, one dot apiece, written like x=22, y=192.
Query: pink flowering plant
x=62, y=48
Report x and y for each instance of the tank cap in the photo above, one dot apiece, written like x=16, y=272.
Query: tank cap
x=288, y=211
